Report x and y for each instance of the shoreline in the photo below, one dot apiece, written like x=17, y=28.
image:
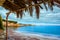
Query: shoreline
x=38, y=36
x=41, y=35
x=15, y=24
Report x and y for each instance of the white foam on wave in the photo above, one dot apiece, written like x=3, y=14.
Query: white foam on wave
x=40, y=35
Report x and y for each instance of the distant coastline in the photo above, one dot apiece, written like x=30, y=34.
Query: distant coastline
x=14, y=24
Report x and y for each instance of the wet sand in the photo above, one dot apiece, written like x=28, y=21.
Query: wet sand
x=12, y=35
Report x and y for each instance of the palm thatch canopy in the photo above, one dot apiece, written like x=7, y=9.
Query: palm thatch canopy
x=18, y=6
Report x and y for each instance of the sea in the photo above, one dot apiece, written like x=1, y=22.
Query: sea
x=46, y=30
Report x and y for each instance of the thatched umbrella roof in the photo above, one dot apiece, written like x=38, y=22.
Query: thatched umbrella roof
x=18, y=6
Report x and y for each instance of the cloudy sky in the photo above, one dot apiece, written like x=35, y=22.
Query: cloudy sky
x=46, y=17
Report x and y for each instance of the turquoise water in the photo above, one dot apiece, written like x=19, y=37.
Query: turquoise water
x=54, y=30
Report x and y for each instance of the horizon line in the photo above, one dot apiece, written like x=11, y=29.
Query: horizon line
x=46, y=24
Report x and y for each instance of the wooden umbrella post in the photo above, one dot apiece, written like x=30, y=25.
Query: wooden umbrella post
x=7, y=25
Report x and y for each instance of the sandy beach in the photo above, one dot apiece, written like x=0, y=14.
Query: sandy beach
x=13, y=35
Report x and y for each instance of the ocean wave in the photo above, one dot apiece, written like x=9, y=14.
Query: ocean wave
x=43, y=35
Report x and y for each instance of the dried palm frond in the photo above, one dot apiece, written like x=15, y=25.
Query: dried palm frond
x=31, y=11
x=10, y=6
x=37, y=11
x=50, y=4
x=37, y=8
x=19, y=14
x=21, y=3
x=31, y=8
x=45, y=4
x=26, y=9
x=40, y=6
